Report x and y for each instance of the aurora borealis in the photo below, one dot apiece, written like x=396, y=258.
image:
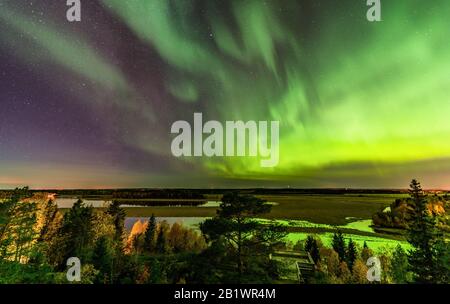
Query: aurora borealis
x=90, y=104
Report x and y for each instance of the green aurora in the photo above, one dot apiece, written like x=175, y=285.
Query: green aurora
x=360, y=104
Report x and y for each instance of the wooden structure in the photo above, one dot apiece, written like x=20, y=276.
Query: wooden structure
x=299, y=262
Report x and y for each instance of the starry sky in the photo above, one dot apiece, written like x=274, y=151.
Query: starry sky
x=90, y=104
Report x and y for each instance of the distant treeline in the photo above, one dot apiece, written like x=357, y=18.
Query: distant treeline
x=159, y=193
x=274, y=191
x=166, y=203
x=200, y=193
x=120, y=193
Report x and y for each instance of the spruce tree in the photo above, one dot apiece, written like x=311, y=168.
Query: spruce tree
x=118, y=215
x=102, y=258
x=77, y=233
x=309, y=243
x=50, y=213
x=423, y=236
x=150, y=234
x=442, y=271
x=339, y=244
x=8, y=221
x=161, y=242
x=400, y=266
x=351, y=255
x=315, y=253
x=312, y=248
x=366, y=252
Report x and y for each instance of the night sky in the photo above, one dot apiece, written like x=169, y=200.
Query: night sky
x=90, y=104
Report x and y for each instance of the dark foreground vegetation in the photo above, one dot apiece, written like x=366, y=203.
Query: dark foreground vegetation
x=37, y=239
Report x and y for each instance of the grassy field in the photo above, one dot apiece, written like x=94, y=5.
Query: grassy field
x=321, y=209
x=327, y=209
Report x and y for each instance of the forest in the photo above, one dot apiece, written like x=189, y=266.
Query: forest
x=37, y=239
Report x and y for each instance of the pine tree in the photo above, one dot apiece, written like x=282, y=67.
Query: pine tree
x=423, y=236
x=249, y=241
x=17, y=226
x=118, y=215
x=102, y=258
x=118, y=245
x=400, y=266
x=309, y=243
x=442, y=271
x=161, y=241
x=312, y=248
x=9, y=220
x=339, y=244
x=77, y=233
x=366, y=253
x=50, y=221
x=351, y=254
x=315, y=253
x=150, y=234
